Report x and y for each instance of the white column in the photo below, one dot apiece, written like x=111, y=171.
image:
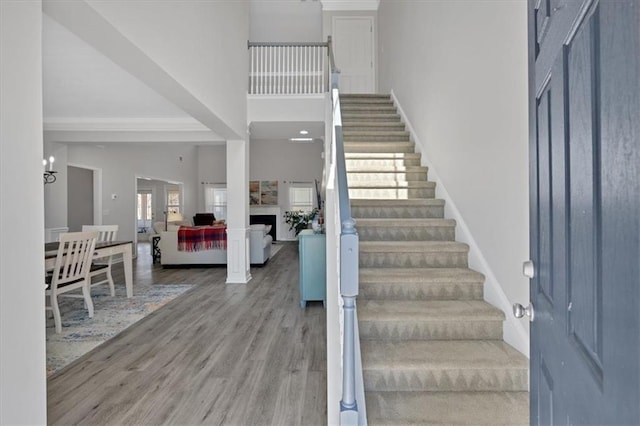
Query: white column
x=238, y=212
x=23, y=389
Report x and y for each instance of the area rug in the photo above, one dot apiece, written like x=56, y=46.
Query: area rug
x=80, y=334
x=275, y=248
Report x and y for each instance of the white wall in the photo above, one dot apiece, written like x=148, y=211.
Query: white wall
x=201, y=44
x=459, y=70
x=22, y=321
x=55, y=194
x=121, y=163
x=285, y=20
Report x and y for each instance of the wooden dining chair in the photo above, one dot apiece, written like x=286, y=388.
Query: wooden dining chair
x=71, y=272
x=102, y=266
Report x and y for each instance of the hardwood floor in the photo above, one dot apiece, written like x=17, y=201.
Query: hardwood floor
x=219, y=354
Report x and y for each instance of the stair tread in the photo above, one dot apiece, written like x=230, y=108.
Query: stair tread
x=432, y=310
x=382, y=155
x=412, y=246
x=346, y=132
x=447, y=408
x=441, y=355
x=357, y=115
x=364, y=95
x=371, y=124
x=405, y=222
x=392, y=184
x=382, y=169
x=413, y=202
x=455, y=275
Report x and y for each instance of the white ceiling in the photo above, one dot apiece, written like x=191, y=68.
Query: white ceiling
x=90, y=99
x=80, y=82
x=283, y=130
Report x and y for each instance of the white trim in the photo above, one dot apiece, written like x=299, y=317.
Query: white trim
x=514, y=332
x=238, y=271
x=124, y=124
x=342, y=5
x=296, y=96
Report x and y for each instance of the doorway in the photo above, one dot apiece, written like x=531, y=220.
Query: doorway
x=154, y=198
x=84, y=196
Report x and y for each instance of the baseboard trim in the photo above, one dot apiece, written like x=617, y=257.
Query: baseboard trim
x=514, y=331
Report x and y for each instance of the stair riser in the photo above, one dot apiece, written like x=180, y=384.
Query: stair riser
x=386, y=176
x=387, y=105
x=348, y=118
x=413, y=260
x=379, y=147
x=415, y=233
x=366, y=101
x=391, y=194
x=373, y=164
x=446, y=380
x=464, y=329
x=376, y=138
x=435, y=212
x=373, y=127
x=420, y=291
x=368, y=109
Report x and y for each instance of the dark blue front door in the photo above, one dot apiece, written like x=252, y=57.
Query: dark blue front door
x=585, y=143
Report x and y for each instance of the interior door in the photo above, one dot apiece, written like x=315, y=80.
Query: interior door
x=80, y=198
x=353, y=52
x=585, y=138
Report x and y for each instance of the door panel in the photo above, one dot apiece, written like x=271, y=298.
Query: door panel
x=353, y=49
x=585, y=197
x=584, y=284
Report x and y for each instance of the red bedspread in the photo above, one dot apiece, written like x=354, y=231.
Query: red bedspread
x=197, y=238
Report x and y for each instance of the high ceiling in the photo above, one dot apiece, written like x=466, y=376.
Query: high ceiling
x=90, y=99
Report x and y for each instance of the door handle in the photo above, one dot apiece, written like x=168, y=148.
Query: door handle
x=520, y=311
x=528, y=269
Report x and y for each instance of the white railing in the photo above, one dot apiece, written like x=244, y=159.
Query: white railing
x=346, y=398
x=288, y=68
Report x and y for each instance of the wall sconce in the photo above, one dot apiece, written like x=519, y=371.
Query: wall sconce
x=49, y=175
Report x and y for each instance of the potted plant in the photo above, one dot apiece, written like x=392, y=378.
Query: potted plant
x=299, y=219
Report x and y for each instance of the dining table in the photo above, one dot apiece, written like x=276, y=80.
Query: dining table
x=102, y=249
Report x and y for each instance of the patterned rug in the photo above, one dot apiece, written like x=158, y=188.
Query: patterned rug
x=80, y=334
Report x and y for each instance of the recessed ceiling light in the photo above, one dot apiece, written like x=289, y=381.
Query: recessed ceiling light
x=304, y=132
x=301, y=139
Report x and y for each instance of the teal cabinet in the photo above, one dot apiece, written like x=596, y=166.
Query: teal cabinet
x=313, y=271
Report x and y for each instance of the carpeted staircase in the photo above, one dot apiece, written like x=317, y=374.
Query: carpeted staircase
x=432, y=349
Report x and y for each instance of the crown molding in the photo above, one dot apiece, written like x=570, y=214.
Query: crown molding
x=344, y=5
x=128, y=130
x=124, y=124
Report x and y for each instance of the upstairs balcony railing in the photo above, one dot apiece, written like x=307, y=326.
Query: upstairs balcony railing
x=290, y=68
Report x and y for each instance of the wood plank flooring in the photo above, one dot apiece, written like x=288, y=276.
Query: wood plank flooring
x=218, y=355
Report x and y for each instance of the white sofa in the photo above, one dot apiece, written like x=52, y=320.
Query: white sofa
x=260, y=244
x=259, y=250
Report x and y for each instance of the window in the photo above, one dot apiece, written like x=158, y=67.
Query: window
x=215, y=201
x=173, y=200
x=301, y=197
x=145, y=206
x=144, y=210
